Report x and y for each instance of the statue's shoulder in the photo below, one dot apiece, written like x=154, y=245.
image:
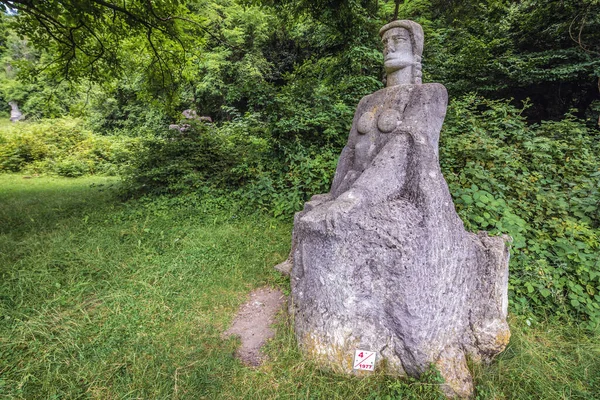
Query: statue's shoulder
x=430, y=95
x=436, y=89
x=433, y=86
x=427, y=93
x=371, y=98
x=425, y=88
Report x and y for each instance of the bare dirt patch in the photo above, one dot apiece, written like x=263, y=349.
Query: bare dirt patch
x=253, y=323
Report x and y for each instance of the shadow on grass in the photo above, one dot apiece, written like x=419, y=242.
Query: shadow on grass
x=42, y=204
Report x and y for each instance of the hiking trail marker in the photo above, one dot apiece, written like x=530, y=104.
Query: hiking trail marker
x=364, y=360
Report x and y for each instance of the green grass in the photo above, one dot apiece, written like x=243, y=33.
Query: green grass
x=547, y=361
x=109, y=300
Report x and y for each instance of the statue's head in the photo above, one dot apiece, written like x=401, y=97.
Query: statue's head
x=403, y=47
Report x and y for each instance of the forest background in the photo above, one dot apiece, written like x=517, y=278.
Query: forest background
x=280, y=80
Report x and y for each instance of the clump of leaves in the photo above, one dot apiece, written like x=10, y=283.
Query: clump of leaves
x=291, y=179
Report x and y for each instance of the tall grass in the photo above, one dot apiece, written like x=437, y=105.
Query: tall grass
x=62, y=147
x=108, y=300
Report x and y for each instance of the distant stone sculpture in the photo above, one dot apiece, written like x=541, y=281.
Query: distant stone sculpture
x=382, y=262
x=180, y=127
x=189, y=115
x=15, y=113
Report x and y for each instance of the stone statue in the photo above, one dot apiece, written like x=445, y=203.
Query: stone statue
x=189, y=115
x=382, y=262
x=15, y=113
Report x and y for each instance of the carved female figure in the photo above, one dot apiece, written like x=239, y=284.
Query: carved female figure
x=382, y=262
x=372, y=166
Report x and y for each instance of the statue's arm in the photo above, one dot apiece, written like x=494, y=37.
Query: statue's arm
x=426, y=113
x=411, y=152
x=383, y=180
x=346, y=160
x=343, y=166
x=384, y=177
x=427, y=181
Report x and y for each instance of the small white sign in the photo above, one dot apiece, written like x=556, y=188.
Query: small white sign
x=364, y=360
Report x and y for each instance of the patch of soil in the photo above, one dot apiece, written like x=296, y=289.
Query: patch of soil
x=253, y=323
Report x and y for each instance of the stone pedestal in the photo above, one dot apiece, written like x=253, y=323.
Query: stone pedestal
x=383, y=262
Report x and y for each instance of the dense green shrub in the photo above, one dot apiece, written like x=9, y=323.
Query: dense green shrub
x=64, y=147
x=204, y=155
x=291, y=179
x=539, y=183
x=123, y=111
x=239, y=156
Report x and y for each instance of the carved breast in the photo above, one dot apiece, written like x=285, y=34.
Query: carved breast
x=366, y=123
x=386, y=122
x=389, y=120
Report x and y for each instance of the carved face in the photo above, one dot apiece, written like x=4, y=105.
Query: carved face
x=397, y=49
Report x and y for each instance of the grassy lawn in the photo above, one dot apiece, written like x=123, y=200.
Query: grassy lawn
x=109, y=300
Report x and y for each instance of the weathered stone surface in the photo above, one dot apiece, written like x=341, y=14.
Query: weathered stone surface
x=15, y=113
x=383, y=262
x=189, y=115
x=285, y=267
x=193, y=115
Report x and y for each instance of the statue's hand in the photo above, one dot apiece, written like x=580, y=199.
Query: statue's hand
x=324, y=217
x=343, y=205
x=419, y=137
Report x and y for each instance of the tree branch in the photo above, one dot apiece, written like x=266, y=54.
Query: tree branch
x=396, y=10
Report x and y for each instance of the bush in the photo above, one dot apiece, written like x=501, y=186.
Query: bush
x=64, y=147
x=204, y=155
x=539, y=184
x=238, y=156
x=292, y=178
x=124, y=114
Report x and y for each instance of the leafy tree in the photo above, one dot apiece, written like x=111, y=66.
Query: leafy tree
x=546, y=51
x=87, y=38
x=36, y=97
